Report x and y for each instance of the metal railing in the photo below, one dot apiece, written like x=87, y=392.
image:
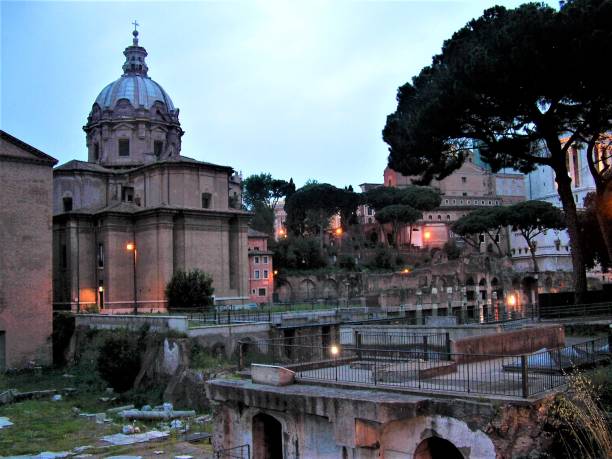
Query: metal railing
x=576, y=310
x=432, y=370
x=201, y=317
x=237, y=452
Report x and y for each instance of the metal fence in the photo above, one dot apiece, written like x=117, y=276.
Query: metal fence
x=237, y=452
x=431, y=370
x=576, y=310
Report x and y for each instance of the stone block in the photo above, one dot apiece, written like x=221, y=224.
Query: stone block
x=272, y=375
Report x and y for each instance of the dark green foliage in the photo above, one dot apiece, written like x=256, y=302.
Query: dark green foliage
x=119, y=360
x=419, y=197
x=310, y=208
x=401, y=206
x=511, y=84
x=398, y=215
x=489, y=221
x=298, y=253
x=452, y=251
x=347, y=262
x=385, y=258
x=192, y=289
x=531, y=218
x=262, y=189
x=263, y=219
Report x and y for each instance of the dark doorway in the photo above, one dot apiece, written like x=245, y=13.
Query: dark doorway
x=437, y=448
x=267, y=437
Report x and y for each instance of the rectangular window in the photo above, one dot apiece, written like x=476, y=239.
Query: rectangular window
x=265, y=260
x=96, y=151
x=127, y=194
x=265, y=276
x=257, y=274
x=463, y=179
x=256, y=260
x=370, y=211
x=158, y=147
x=124, y=147
x=67, y=204
x=206, y=200
x=100, y=256
x=262, y=292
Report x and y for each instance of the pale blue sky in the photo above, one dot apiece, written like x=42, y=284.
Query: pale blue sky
x=297, y=89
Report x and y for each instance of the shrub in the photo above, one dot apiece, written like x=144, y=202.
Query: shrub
x=452, y=250
x=191, y=289
x=119, y=360
x=347, y=262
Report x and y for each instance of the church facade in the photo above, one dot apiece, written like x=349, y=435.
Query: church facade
x=137, y=210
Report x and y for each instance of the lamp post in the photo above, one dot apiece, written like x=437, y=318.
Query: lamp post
x=131, y=247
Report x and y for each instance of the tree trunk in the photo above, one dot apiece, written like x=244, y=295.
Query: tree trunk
x=603, y=206
x=571, y=219
x=536, y=268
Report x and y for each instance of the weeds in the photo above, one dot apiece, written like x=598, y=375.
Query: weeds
x=580, y=420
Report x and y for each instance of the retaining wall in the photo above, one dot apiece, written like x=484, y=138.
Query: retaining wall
x=132, y=322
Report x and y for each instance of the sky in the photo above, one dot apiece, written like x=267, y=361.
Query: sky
x=298, y=89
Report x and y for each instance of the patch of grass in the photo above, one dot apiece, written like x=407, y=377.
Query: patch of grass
x=201, y=359
x=44, y=425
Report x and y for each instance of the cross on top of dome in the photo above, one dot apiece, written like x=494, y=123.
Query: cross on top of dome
x=135, y=56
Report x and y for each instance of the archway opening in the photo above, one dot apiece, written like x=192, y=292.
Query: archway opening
x=267, y=437
x=437, y=448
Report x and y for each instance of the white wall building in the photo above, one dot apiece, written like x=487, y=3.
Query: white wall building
x=553, y=252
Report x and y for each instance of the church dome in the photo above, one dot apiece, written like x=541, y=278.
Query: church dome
x=133, y=120
x=139, y=90
x=134, y=85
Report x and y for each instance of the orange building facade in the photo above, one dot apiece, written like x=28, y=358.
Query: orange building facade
x=261, y=271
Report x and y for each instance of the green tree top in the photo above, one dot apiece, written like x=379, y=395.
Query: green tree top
x=510, y=82
x=263, y=190
x=192, y=289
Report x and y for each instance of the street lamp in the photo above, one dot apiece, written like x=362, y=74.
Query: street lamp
x=427, y=235
x=131, y=247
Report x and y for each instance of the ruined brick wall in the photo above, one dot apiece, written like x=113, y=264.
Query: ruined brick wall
x=25, y=256
x=509, y=343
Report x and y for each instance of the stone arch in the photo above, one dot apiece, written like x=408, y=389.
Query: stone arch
x=330, y=289
x=437, y=448
x=469, y=281
x=403, y=437
x=308, y=289
x=494, y=282
x=284, y=291
x=482, y=282
x=288, y=425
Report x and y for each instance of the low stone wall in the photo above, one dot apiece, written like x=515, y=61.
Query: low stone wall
x=517, y=342
x=223, y=339
x=455, y=332
x=132, y=322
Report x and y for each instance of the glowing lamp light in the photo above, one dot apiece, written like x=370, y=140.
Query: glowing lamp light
x=276, y=272
x=511, y=300
x=427, y=235
x=406, y=271
x=338, y=231
x=100, y=289
x=130, y=246
x=335, y=350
